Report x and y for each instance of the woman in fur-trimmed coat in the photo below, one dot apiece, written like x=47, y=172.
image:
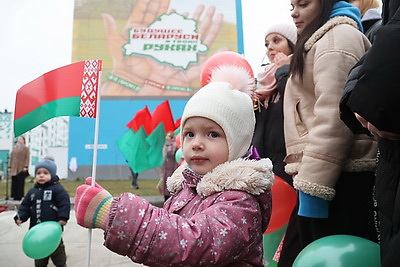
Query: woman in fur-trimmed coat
x=332, y=168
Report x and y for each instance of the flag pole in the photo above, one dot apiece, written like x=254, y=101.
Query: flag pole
x=94, y=164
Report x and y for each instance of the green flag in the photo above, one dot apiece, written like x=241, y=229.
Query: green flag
x=134, y=148
x=156, y=141
x=142, y=145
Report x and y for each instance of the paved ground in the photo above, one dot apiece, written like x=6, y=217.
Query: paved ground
x=75, y=239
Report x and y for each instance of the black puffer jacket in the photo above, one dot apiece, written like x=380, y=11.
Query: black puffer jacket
x=376, y=94
x=47, y=202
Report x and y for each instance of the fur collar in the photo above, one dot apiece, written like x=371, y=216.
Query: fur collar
x=326, y=27
x=251, y=176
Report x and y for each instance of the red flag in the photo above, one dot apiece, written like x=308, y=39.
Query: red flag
x=141, y=118
x=3, y=208
x=178, y=123
x=67, y=91
x=163, y=113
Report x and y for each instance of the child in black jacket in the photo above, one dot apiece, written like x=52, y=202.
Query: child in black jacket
x=47, y=200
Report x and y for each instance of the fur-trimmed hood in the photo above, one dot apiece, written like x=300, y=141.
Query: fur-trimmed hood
x=326, y=27
x=251, y=176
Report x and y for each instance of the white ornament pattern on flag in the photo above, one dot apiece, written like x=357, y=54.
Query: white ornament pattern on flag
x=90, y=84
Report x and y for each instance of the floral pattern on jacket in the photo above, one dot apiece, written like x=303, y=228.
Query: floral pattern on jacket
x=217, y=219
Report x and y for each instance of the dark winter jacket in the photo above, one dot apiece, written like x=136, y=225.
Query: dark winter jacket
x=371, y=22
x=268, y=134
x=376, y=94
x=45, y=202
x=389, y=9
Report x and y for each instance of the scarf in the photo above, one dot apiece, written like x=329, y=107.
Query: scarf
x=343, y=8
x=266, y=84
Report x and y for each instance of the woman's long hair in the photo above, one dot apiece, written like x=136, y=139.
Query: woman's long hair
x=297, y=63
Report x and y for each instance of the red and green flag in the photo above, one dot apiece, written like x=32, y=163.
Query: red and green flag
x=133, y=146
x=143, y=142
x=141, y=118
x=163, y=114
x=71, y=90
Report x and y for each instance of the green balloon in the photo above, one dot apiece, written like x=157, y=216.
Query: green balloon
x=42, y=240
x=339, y=251
x=178, y=155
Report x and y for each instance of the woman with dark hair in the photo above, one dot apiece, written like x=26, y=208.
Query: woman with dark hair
x=332, y=168
x=268, y=134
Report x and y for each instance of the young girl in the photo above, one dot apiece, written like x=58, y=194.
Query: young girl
x=268, y=134
x=220, y=201
x=332, y=168
x=46, y=201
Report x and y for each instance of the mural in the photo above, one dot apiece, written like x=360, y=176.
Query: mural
x=153, y=47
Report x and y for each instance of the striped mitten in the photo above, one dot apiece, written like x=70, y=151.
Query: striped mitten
x=92, y=205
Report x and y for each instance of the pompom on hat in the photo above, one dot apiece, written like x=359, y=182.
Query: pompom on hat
x=49, y=164
x=230, y=108
x=288, y=31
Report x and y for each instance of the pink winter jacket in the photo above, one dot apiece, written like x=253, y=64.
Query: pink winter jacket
x=217, y=219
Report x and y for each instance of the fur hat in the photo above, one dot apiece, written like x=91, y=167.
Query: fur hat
x=288, y=31
x=49, y=164
x=229, y=108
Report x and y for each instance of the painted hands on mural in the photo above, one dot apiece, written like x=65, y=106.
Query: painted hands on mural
x=135, y=71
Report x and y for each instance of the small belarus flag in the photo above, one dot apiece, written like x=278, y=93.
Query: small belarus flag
x=71, y=90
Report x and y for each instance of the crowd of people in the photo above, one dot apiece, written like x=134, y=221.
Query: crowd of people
x=297, y=122
x=322, y=115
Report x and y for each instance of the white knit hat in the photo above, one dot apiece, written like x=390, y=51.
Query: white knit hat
x=229, y=108
x=288, y=31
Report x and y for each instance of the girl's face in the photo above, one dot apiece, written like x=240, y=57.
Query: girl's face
x=276, y=43
x=42, y=176
x=204, y=144
x=303, y=12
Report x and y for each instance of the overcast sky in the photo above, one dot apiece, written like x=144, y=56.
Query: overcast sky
x=36, y=37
